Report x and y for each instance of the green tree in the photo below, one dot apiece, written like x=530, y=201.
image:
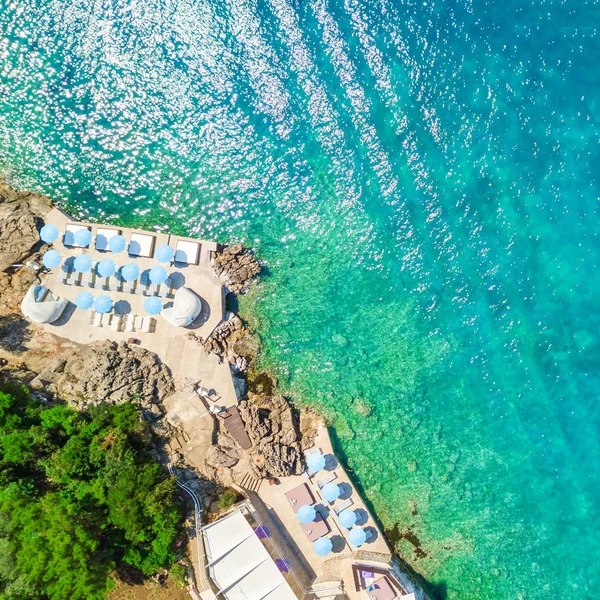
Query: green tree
x=79, y=494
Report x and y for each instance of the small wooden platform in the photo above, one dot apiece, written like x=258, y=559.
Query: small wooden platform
x=235, y=428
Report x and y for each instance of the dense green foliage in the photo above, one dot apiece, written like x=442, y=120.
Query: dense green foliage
x=79, y=495
x=227, y=499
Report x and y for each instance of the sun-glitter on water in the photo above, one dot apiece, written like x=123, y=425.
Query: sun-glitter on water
x=421, y=178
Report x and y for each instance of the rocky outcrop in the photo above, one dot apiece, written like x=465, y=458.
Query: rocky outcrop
x=108, y=372
x=222, y=456
x=21, y=217
x=231, y=341
x=238, y=266
x=273, y=430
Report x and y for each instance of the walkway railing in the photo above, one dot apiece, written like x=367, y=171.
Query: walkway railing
x=198, y=525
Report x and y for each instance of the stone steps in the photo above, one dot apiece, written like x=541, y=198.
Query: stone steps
x=250, y=483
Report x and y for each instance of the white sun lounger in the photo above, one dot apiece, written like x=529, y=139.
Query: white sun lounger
x=97, y=320
x=165, y=289
x=106, y=319
x=327, y=479
x=129, y=286
x=114, y=283
x=148, y=325
x=69, y=238
x=61, y=276
x=343, y=506
x=141, y=245
x=89, y=277
x=103, y=237
x=116, y=323
x=138, y=322
x=73, y=278
x=128, y=323
x=187, y=252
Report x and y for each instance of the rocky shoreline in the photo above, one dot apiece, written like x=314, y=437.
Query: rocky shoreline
x=84, y=375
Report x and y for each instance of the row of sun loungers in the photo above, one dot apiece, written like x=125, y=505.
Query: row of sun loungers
x=132, y=323
x=141, y=286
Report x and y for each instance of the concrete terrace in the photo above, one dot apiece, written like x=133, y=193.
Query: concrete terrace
x=186, y=359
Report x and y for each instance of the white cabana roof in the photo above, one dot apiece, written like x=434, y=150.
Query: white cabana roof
x=187, y=252
x=42, y=307
x=103, y=236
x=186, y=307
x=70, y=231
x=240, y=565
x=141, y=244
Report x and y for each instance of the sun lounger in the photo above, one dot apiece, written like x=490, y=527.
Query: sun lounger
x=187, y=252
x=97, y=322
x=92, y=316
x=114, y=283
x=163, y=289
x=138, y=323
x=73, y=278
x=61, y=276
x=93, y=277
x=129, y=322
x=343, y=506
x=141, y=245
x=106, y=319
x=142, y=284
x=328, y=478
x=86, y=280
x=148, y=325
x=129, y=286
x=116, y=323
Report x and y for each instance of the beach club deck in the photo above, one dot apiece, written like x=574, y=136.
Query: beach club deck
x=189, y=271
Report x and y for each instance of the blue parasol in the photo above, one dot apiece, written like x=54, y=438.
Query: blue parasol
x=103, y=304
x=347, y=518
x=153, y=305
x=82, y=263
x=84, y=300
x=315, y=461
x=331, y=492
x=357, y=537
x=158, y=274
x=323, y=546
x=117, y=243
x=130, y=272
x=306, y=514
x=48, y=234
x=83, y=237
x=106, y=267
x=51, y=259
x=164, y=253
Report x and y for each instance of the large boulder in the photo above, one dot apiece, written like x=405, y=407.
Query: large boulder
x=108, y=372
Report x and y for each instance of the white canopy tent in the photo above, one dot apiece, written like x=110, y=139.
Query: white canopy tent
x=238, y=563
x=41, y=306
x=186, y=307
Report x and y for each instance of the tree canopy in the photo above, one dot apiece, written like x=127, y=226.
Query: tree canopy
x=79, y=495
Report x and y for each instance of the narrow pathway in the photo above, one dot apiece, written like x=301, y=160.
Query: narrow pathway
x=201, y=582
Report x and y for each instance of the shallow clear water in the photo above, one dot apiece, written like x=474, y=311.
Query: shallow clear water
x=421, y=178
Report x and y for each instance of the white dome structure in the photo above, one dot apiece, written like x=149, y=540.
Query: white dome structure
x=42, y=306
x=186, y=308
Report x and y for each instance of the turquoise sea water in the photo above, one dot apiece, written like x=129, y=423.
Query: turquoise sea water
x=421, y=178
